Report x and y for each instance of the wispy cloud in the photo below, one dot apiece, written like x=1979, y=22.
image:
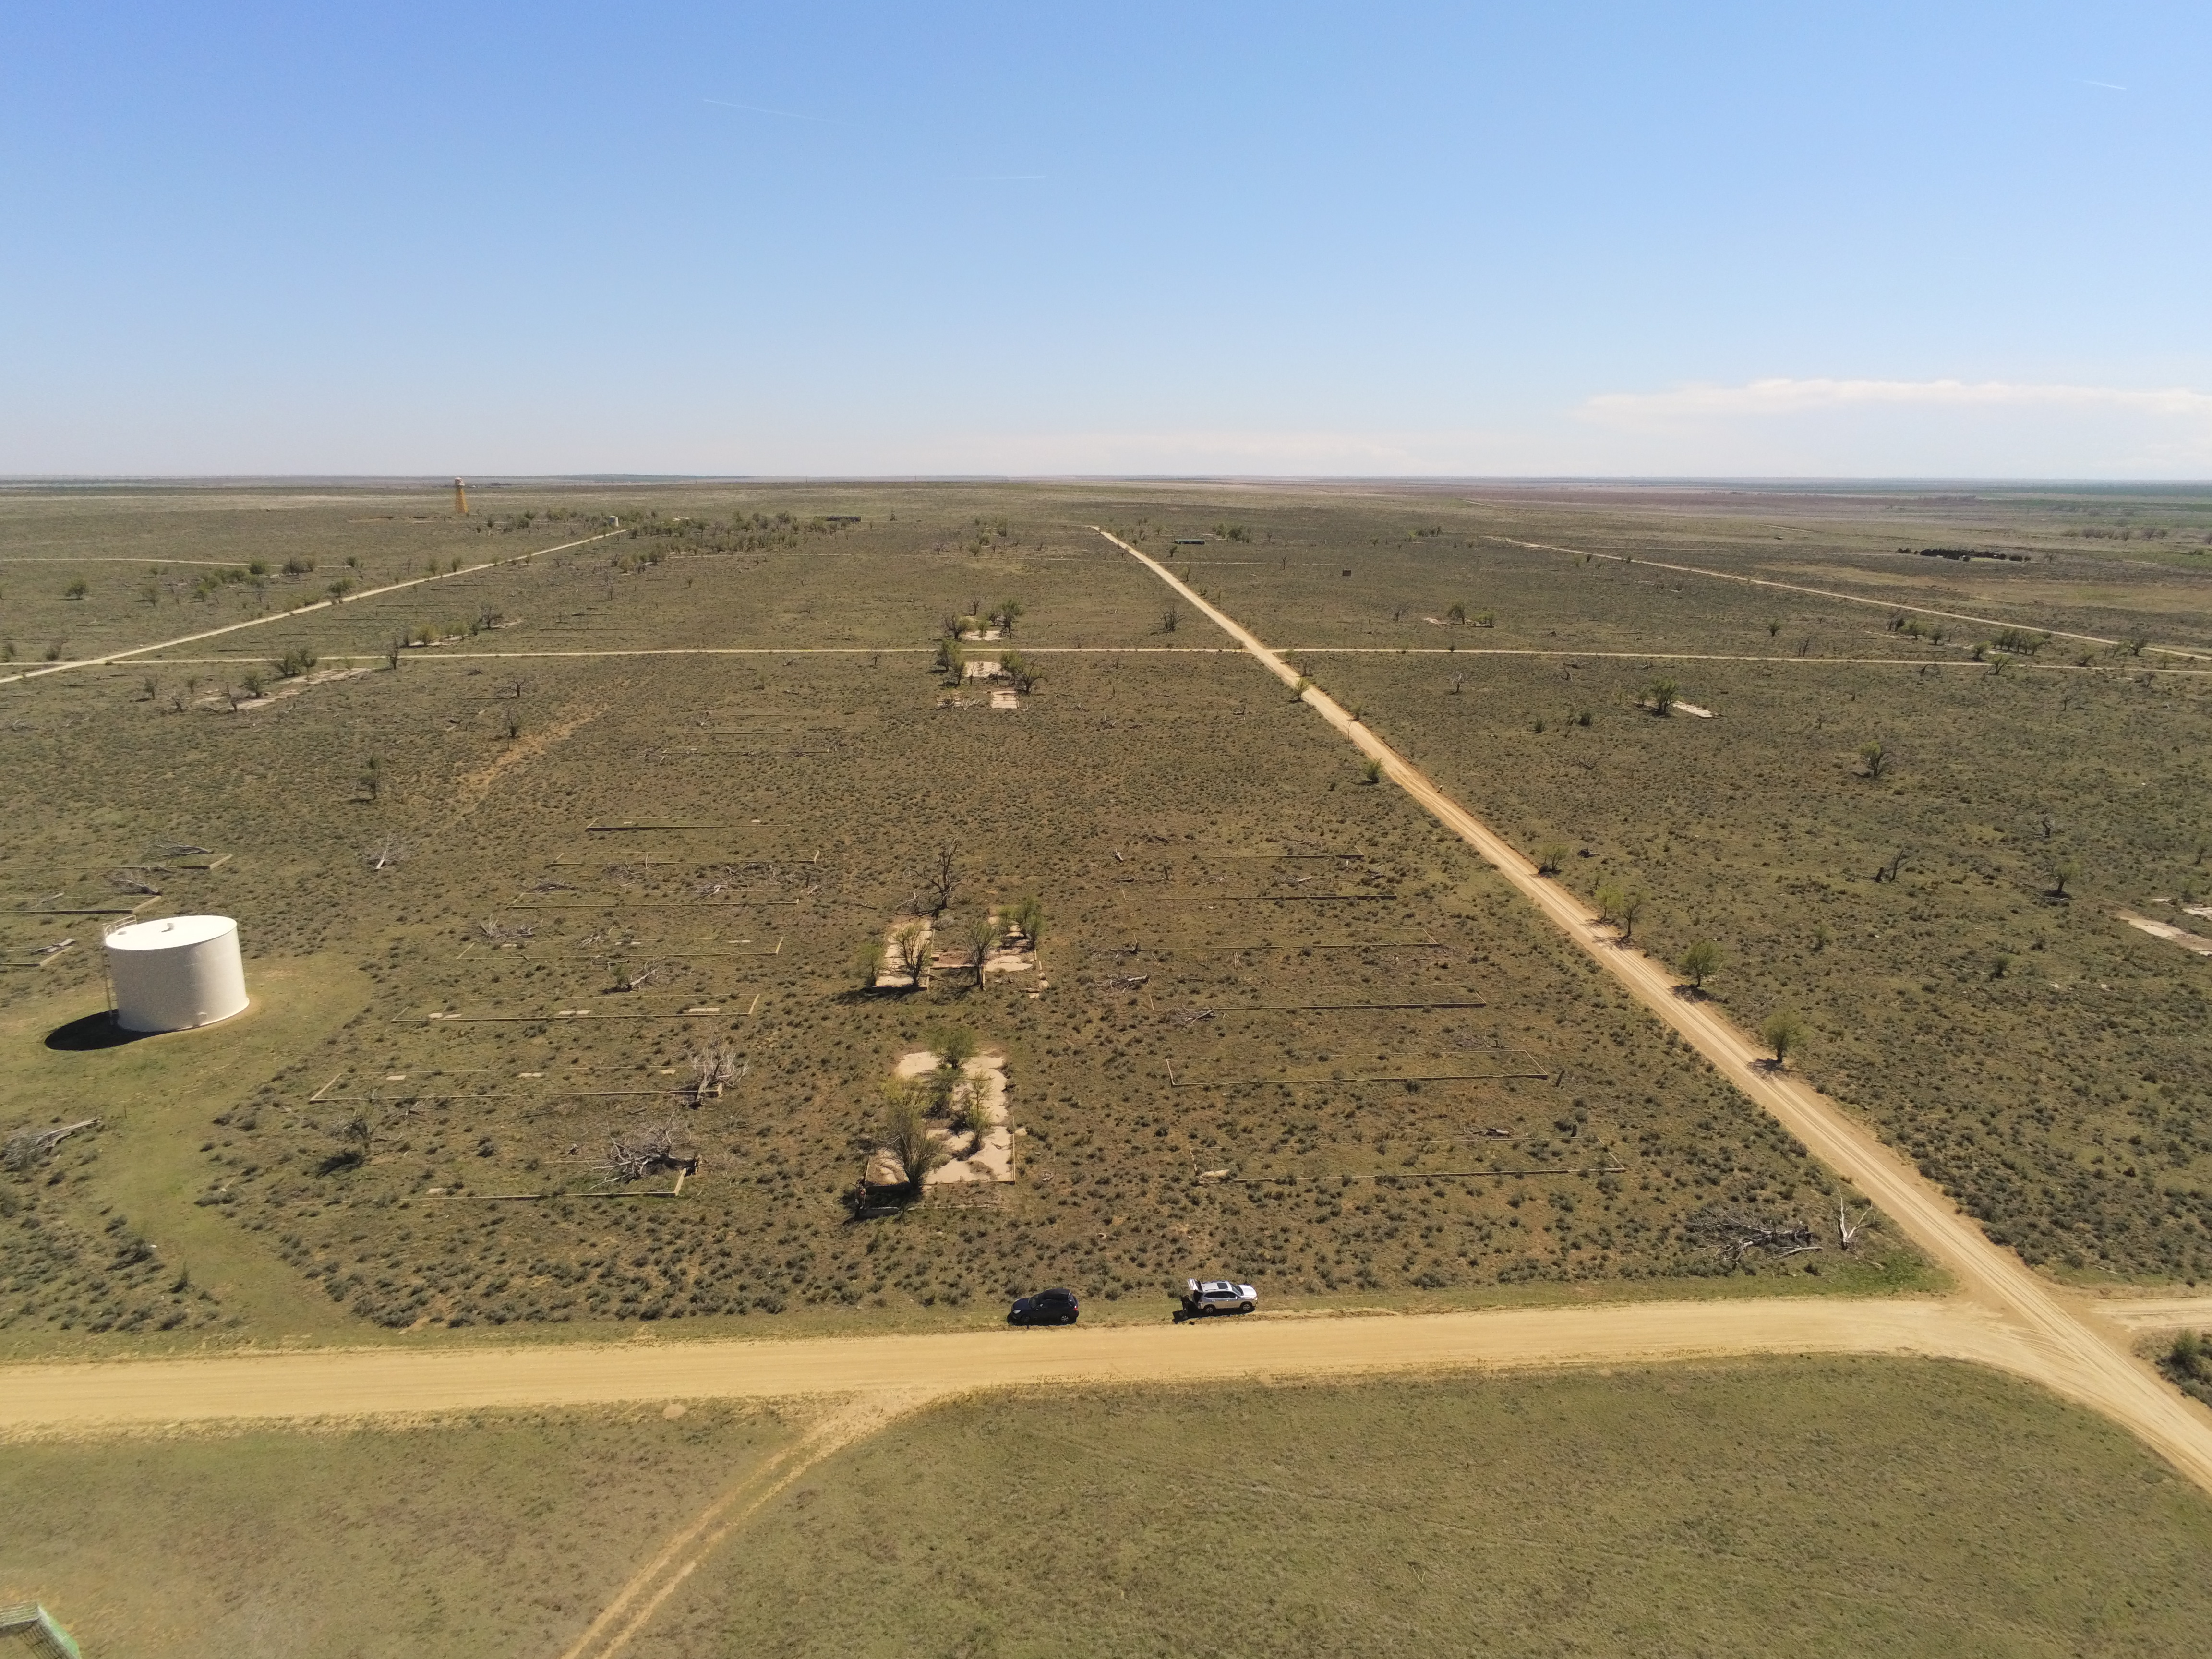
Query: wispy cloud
x=763, y=109
x=1793, y=397
x=2106, y=85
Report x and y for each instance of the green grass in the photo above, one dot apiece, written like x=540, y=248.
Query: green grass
x=486, y=1534
x=1811, y=1507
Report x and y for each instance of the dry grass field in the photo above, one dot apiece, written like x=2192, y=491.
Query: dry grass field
x=1792, y=1506
x=495, y=1533
x=1947, y=920
x=1287, y=1030
x=1823, y=1507
x=540, y=811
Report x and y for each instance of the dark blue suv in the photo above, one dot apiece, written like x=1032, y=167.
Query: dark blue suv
x=1055, y=1307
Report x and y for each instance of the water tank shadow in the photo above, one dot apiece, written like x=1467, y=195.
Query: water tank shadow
x=97, y=1030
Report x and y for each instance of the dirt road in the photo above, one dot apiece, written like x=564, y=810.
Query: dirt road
x=2088, y=1356
x=339, y=1383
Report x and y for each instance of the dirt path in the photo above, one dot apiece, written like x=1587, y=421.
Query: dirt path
x=2089, y=1357
x=301, y=611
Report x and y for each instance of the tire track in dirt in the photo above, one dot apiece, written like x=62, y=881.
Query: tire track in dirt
x=2085, y=1357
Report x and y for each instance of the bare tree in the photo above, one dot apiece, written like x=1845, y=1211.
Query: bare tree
x=633, y=1154
x=912, y=945
x=712, y=1068
x=386, y=854
x=1737, y=1233
x=940, y=881
x=1847, y=1229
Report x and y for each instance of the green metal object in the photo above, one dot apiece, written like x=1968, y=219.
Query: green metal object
x=28, y=1628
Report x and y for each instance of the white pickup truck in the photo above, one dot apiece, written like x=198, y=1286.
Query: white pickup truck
x=1216, y=1295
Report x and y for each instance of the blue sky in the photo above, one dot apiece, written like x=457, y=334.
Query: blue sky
x=1817, y=238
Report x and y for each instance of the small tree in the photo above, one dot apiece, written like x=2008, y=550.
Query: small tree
x=1659, y=696
x=1784, y=1033
x=1028, y=915
x=2062, y=872
x=1608, y=898
x=902, y=1130
x=1457, y=614
x=982, y=938
x=1874, y=759
x=952, y=660
x=1550, y=856
x=868, y=963
x=1170, y=617
x=1701, y=959
x=1008, y=613
x=1022, y=671
x=1371, y=772
x=1628, y=901
x=372, y=779
x=954, y=1047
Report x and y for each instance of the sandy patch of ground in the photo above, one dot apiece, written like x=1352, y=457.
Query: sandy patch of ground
x=473, y=788
x=1010, y=959
x=1004, y=699
x=981, y=634
x=1692, y=710
x=2167, y=931
x=980, y=668
x=987, y=1157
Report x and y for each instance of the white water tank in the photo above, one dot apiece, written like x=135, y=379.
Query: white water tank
x=175, y=973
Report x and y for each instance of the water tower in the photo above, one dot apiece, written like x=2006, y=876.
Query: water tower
x=460, y=500
x=175, y=973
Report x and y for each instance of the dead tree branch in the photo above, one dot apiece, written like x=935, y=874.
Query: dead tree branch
x=28, y=1146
